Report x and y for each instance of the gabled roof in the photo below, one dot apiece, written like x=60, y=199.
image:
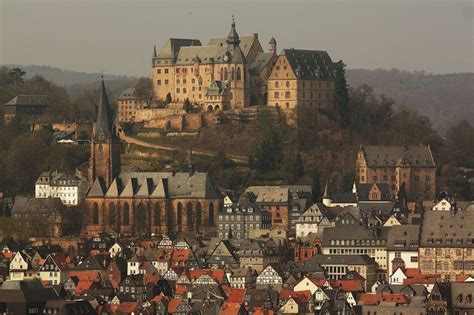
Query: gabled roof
x=398, y=155
x=172, y=47
x=310, y=64
x=28, y=100
x=97, y=189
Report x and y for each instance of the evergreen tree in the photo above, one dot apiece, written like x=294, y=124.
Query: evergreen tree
x=295, y=169
x=17, y=76
x=341, y=95
x=316, y=186
x=168, y=98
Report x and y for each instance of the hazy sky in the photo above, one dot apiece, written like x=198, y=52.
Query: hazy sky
x=118, y=36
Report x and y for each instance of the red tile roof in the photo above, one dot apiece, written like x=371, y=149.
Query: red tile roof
x=181, y=255
x=173, y=304
x=230, y=308
x=352, y=285
x=236, y=296
x=377, y=298
x=85, y=275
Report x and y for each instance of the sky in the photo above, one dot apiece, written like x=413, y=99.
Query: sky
x=117, y=37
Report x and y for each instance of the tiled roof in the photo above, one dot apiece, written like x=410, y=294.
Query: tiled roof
x=310, y=64
x=27, y=100
x=379, y=156
x=158, y=185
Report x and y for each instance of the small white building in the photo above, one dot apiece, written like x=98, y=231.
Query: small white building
x=54, y=269
x=402, y=247
x=18, y=267
x=70, y=188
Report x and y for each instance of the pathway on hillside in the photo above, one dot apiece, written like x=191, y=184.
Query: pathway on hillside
x=239, y=159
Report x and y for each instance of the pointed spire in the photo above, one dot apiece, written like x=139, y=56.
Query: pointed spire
x=154, y=52
x=233, y=38
x=103, y=125
x=326, y=194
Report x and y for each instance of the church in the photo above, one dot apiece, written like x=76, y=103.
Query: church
x=140, y=203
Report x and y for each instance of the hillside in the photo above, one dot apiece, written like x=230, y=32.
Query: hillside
x=444, y=98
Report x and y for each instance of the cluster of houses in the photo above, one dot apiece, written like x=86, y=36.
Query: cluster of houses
x=361, y=262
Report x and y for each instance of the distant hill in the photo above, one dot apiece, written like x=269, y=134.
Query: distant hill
x=444, y=98
x=66, y=77
x=76, y=83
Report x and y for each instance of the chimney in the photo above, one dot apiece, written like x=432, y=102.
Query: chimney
x=255, y=35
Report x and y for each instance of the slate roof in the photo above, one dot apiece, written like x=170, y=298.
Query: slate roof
x=24, y=205
x=310, y=64
x=448, y=228
x=28, y=100
x=269, y=194
x=260, y=61
x=398, y=155
x=245, y=43
x=127, y=94
x=354, y=233
x=172, y=47
x=206, y=54
x=58, y=179
x=104, y=123
x=403, y=237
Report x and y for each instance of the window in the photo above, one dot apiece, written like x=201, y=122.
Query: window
x=287, y=84
x=166, y=70
x=276, y=95
x=166, y=81
x=158, y=71
x=276, y=84
x=287, y=94
x=158, y=82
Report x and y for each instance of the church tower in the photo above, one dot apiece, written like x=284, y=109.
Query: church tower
x=104, y=162
x=272, y=45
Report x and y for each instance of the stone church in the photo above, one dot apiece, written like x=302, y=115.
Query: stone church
x=139, y=203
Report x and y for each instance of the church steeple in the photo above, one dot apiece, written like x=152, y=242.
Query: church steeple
x=233, y=38
x=104, y=162
x=104, y=123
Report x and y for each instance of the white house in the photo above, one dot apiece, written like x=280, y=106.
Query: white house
x=115, y=250
x=306, y=284
x=397, y=277
x=18, y=267
x=54, y=269
x=313, y=220
x=70, y=188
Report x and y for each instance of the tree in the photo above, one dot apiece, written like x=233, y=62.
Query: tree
x=17, y=76
x=143, y=88
x=341, y=95
x=168, y=98
x=296, y=168
x=316, y=186
x=187, y=105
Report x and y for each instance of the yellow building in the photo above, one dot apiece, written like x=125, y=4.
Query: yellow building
x=301, y=77
x=185, y=69
x=128, y=106
x=410, y=166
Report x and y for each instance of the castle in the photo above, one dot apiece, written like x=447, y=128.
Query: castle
x=227, y=73
x=138, y=203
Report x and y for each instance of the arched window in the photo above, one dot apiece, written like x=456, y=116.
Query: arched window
x=126, y=214
x=222, y=74
x=179, y=219
x=232, y=76
x=112, y=215
x=140, y=218
x=189, y=214
x=198, y=214
x=211, y=214
x=157, y=215
x=239, y=74
x=95, y=214
x=225, y=74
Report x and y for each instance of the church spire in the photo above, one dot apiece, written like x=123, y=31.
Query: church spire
x=154, y=52
x=233, y=38
x=103, y=125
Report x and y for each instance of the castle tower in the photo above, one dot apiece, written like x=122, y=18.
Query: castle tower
x=272, y=45
x=104, y=159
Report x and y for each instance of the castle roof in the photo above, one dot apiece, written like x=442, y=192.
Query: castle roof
x=173, y=46
x=310, y=64
x=398, y=155
x=246, y=43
